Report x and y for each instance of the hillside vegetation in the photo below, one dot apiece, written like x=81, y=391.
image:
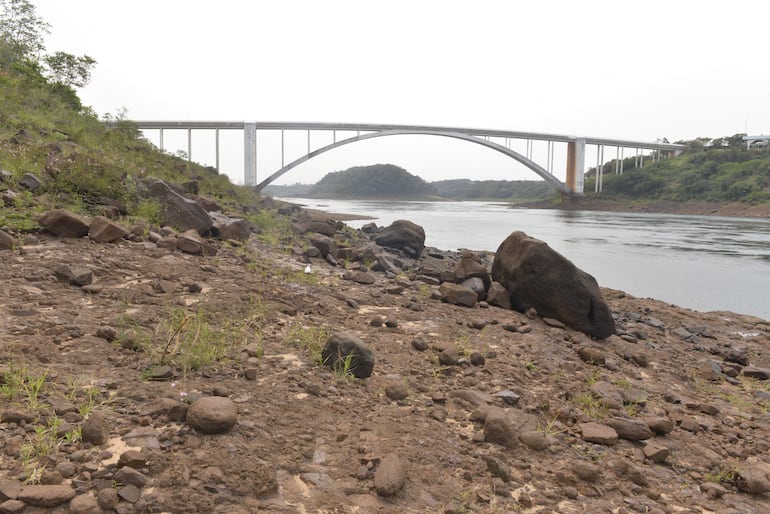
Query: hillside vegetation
x=721, y=170
x=83, y=163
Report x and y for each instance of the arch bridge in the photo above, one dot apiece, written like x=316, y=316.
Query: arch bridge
x=497, y=140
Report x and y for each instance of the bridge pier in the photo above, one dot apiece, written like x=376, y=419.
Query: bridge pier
x=576, y=156
x=250, y=154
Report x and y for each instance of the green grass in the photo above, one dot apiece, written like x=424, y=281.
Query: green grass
x=590, y=405
x=309, y=339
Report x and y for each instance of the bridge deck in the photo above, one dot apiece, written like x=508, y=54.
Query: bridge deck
x=370, y=127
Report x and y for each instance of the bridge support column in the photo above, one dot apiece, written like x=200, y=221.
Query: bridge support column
x=576, y=156
x=250, y=154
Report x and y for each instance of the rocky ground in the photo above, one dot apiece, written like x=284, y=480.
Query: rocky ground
x=172, y=382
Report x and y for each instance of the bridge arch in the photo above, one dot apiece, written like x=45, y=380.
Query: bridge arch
x=548, y=177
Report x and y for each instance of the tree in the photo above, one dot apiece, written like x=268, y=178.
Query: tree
x=68, y=69
x=22, y=30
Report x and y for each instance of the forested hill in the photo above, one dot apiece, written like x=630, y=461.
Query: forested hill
x=719, y=170
x=376, y=181
x=389, y=181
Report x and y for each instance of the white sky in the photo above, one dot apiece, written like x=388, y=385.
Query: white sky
x=637, y=70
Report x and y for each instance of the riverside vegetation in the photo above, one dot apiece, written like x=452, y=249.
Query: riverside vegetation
x=168, y=372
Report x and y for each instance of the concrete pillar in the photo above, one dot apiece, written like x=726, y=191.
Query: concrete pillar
x=250, y=154
x=576, y=156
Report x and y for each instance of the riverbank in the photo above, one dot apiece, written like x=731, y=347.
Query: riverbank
x=468, y=409
x=695, y=208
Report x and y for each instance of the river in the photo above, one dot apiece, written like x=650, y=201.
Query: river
x=705, y=263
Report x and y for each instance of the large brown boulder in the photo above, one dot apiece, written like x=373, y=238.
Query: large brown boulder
x=177, y=210
x=537, y=276
x=402, y=235
x=64, y=223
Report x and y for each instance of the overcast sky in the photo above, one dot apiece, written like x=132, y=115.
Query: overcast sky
x=639, y=70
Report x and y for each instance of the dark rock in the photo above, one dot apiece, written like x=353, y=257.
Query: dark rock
x=591, y=355
x=9, y=198
x=9, y=488
x=75, y=275
x=396, y=391
x=212, y=414
x=630, y=429
x=6, y=241
x=656, y=453
x=341, y=345
x=390, y=476
x=177, y=210
x=314, y=221
x=534, y=440
x=470, y=266
x=754, y=478
x=173, y=410
x=128, y=475
x=756, y=372
x=84, y=504
x=95, y=429
x=224, y=227
x=499, y=429
x=130, y=493
x=402, y=235
x=538, y=277
x=659, y=424
x=498, y=468
x=104, y=230
x=359, y=277
x=419, y=343
x=326, y=244
x=498, y=295
x=508, y=397
x=107, y=333
x=190, y=242
x=64, y=223
x=132, y=458
x=458, y=295
x=30, y=182
x=476, y=285
x=448, y=357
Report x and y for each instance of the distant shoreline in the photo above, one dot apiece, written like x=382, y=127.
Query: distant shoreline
x=693, y=208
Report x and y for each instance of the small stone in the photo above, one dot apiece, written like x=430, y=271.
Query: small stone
x=107, y=333
x=12, y=507
x=534, y=440
x=499, y=429
x=46, y=495
x=656, y=453
x=597, y=433
x=95, y=429
x=419, y=343
x=397, y=391
x=342, y=346
x=9, y=488
x=251, y=373
x=130, y=493
x=212, y=414
x=132, y=458
x=390, y=476
x=128, y=475
x=448, y=357
x=108, y=498
x=591, y=355
x=587, y=471
x=376, y=321
x=477, y=359
x=756, y=372
x=83, y=504
x=508, y=396
x=630, y=429
x=659, y=424
x=754, y=478
x=498, y=468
